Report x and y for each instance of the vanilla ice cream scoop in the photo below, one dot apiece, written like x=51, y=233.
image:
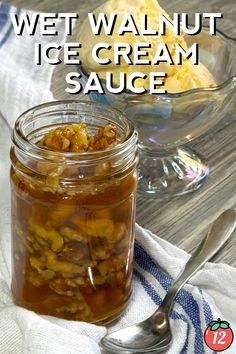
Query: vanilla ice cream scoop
x=179, y=77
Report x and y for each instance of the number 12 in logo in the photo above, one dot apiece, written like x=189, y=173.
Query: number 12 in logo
x=218, y=335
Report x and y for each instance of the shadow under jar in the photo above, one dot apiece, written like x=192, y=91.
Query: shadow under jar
x=73, y=215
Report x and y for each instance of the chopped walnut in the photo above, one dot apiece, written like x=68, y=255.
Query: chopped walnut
x=99, y=228
x=60, y=287
x=60, y=214
x=72, y=234
x=52, y=236
x=75, y=252
x=76, y=138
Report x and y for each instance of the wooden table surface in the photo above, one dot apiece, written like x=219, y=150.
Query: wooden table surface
x=183, y=220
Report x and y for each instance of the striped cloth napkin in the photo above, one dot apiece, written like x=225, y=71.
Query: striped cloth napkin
x=157, y=262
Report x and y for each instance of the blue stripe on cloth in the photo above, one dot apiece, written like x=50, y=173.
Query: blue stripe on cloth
x=206, y=309
x=4, y=7
x=6, y=26
x=148, y=288
x=184, y=298
x=190, y=305
x=207, y=312
x=157, y=300
x=4, y=14
x=175, y=315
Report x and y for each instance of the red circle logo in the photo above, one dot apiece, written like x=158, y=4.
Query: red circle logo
x=218, y=336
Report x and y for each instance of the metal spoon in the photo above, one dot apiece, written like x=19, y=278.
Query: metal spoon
x=154, y=335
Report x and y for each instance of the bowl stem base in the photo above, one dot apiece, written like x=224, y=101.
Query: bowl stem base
x=180, y=173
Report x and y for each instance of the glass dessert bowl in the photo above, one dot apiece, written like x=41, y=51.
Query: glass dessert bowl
x=166, y=122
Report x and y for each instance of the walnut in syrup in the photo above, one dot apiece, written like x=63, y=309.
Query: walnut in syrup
x=75, y=246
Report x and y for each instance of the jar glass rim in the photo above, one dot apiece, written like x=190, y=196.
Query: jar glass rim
x=22, y=142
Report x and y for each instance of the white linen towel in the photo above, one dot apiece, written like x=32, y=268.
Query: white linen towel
x=157, y=262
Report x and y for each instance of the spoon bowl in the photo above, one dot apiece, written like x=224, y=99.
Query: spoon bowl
x=138, y=338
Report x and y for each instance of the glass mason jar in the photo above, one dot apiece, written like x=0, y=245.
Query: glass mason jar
x=73, y=215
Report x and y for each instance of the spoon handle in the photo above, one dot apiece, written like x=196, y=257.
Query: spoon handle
x=217, y=235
